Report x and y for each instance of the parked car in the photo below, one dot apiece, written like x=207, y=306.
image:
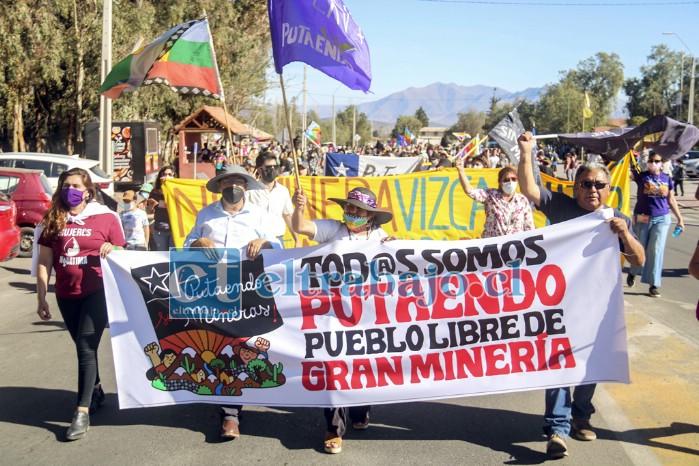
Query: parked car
x=692, y=168
x=54, y=164
x=31, y=192
x=9, y=232
x=690, y=155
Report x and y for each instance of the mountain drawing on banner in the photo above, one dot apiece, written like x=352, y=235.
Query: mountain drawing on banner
x=209, y=356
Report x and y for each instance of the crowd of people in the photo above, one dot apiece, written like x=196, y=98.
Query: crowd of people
x=254, y=212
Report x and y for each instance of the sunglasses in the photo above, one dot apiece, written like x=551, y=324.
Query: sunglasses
x=599, y=185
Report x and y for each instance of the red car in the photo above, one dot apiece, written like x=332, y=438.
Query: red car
x=31, y=192
x=9, y=232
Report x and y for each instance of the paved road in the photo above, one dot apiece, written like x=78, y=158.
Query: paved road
x=654, y=420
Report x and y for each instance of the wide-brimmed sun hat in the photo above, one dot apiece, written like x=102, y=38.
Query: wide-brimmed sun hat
x=230, y=170
x=365, y=199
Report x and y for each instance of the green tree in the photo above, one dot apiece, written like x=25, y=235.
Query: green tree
x=656, y=91
x=560, y=108
x=471, y=122
x=403, y=121
x=50, y=65
x=217, y=364
x=422, y=116
x=602, y=77
x=343, y=123
x=31, y=46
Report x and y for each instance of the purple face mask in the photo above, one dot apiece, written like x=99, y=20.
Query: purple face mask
x=71, y=196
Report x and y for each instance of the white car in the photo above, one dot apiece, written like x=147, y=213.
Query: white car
x=54, y=164
x=692, y=167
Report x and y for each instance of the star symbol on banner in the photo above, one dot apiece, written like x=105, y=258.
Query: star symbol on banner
x=156, y=281
x=341, y=170
x=360, y=36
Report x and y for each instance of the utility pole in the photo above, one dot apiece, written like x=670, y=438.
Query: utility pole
x=681, y=99
x=106, y=157
x=690, y=110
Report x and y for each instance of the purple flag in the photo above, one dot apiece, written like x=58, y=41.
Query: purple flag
x=322, y=34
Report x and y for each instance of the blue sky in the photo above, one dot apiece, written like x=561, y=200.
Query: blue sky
x=511, y=44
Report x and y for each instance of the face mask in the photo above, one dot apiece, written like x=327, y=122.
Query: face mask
x=654, y=167
x=232, y=195
x=72, y=197
x=127, y=205
x=145, y=195
x=509, y=187
x=269, y=174
x=354, y=223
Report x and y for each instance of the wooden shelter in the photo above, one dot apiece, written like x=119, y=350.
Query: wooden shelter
x=207, y=120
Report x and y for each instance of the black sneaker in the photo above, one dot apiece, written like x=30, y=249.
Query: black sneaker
x=654, y=292
x=556, y=447
x=630, y=280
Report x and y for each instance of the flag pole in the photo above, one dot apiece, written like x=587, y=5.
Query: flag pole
x=220, y=86
x=288, y=127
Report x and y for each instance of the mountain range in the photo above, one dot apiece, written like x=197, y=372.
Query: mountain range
x=442, y=102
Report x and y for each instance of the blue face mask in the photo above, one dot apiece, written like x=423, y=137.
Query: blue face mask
x=354, y=223
x=145, y=195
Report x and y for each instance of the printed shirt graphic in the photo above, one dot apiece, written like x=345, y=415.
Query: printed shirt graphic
x=503, y=217
x=652, y=193
x=133, y=223
x=76, y=254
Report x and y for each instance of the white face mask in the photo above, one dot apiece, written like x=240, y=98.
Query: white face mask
x=127, y=205
x=509, y=187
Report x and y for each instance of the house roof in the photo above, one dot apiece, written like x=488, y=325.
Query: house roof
x=207, y=119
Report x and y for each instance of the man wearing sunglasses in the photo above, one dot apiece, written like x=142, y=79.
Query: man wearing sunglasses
x=591, y=191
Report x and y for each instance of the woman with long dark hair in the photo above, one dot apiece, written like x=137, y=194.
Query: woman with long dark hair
x=162, y=233
x=74, y=233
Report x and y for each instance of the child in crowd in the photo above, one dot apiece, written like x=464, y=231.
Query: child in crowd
x=135, y=223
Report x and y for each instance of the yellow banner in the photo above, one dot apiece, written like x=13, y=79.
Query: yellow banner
x=425, y=205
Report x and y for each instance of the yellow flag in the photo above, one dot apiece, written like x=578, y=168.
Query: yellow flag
x=587, y=111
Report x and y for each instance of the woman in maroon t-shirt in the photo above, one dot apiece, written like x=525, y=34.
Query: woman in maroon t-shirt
x=75, y=232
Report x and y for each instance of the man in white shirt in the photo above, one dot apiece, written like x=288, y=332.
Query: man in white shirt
x=231, y=222
x=274, y=198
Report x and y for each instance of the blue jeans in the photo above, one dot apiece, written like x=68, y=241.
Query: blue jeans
x=559, y=408
x=652, y=236
x=163, y=240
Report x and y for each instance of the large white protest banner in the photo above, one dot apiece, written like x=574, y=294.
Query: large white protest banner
x=351, y=323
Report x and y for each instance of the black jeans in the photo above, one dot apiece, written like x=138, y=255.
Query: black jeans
x=85, y=319
x=679, y=186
